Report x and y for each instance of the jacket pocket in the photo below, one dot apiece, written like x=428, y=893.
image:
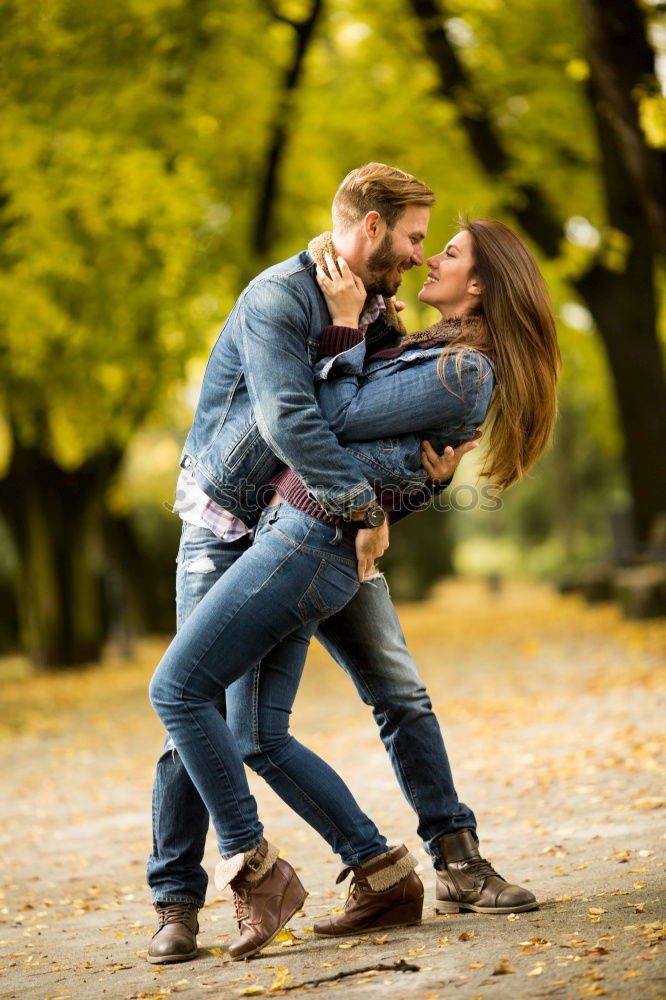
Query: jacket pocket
x=330, y=589
x=241, y=448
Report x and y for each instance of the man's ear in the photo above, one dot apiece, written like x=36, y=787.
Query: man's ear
x=372, y=225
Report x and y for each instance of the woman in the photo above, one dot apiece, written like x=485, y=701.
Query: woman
x=301, y=568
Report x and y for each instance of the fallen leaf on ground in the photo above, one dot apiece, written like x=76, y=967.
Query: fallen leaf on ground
x=281, y=979
x=502, y=968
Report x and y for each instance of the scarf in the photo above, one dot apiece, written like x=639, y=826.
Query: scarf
x=469, y=330
x=324, y=244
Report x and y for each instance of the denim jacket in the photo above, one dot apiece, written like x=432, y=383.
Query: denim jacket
x=257, y=408
x=382, y=420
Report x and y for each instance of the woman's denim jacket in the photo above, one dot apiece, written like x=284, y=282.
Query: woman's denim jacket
x=257, y=408
x=414, y=397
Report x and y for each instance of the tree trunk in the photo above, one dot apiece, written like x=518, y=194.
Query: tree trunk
x=619, y=288
x=620, y=293
x=622, y=70
x=54, y=519
x=267, y=195
x=420, y=554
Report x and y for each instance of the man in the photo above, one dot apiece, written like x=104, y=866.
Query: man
x=257, y=412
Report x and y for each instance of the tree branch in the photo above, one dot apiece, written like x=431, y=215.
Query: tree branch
x=622, y=70
x=278, y=16
x=532, y=208
x=267, y=194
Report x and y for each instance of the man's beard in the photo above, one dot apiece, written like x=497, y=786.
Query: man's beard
x=380, y=263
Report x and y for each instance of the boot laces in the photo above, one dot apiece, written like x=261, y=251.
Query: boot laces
x=241, y=906
x=357, y=883
x=174, y=913
x=478, y=867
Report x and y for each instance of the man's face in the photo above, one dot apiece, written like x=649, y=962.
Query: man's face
x=396, y=251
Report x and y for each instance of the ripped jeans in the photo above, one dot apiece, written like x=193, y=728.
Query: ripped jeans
x=367, y=641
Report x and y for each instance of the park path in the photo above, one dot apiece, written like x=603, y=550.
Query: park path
x=553, y=713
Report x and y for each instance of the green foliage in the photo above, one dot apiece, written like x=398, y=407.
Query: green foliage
x=133, y=141
x=119, y=251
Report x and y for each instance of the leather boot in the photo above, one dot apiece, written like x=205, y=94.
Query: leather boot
x=267, y=892
x=175, y=939
x=466, y=881
x=385, y=892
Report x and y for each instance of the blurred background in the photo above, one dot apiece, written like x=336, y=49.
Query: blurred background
x=156, y=154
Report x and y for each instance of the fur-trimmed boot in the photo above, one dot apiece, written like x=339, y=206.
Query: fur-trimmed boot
x=267, y=892
x=385, y=892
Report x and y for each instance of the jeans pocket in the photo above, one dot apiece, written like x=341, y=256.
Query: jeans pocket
x=330, y=589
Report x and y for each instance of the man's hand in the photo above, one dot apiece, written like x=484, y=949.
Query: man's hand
x=441, y=467
x=371, y=543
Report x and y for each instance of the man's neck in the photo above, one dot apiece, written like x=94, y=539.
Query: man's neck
x=347, y=246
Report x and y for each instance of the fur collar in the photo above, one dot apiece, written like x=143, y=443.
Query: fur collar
x=324, y=244
x=469, y=330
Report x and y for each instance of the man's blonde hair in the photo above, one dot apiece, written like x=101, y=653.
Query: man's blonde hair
x=376, y=187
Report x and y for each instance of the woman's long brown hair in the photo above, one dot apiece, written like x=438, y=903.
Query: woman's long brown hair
x=522, y=336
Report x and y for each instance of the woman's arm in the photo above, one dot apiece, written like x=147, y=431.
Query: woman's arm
x=412, y=399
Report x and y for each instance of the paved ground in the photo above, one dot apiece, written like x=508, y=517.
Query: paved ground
x=554, y=717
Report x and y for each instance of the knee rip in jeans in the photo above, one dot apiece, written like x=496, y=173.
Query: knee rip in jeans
x=202, y=564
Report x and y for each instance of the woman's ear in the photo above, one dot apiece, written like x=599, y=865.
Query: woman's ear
x=474, y=285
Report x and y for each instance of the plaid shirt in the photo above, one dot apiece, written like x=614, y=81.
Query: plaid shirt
x=196, y=507
x=373, y=307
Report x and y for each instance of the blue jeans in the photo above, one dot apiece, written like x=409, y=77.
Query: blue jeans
x=262, y=610
x=366, y=639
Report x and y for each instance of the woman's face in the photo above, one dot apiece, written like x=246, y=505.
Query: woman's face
x=451, y=285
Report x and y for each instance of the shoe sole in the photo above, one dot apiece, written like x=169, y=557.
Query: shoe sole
x=249, y=954
x=368, y=930
x=405, y=915
x=171, y=959
x=441, y=907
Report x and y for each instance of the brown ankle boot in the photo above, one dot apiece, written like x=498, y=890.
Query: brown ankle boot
x=385, y=892
x=267, y=892
x=466, y=881
x=175, y=939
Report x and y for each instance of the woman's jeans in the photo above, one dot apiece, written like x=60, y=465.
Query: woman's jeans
x=366, y=640
x=262, y=610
